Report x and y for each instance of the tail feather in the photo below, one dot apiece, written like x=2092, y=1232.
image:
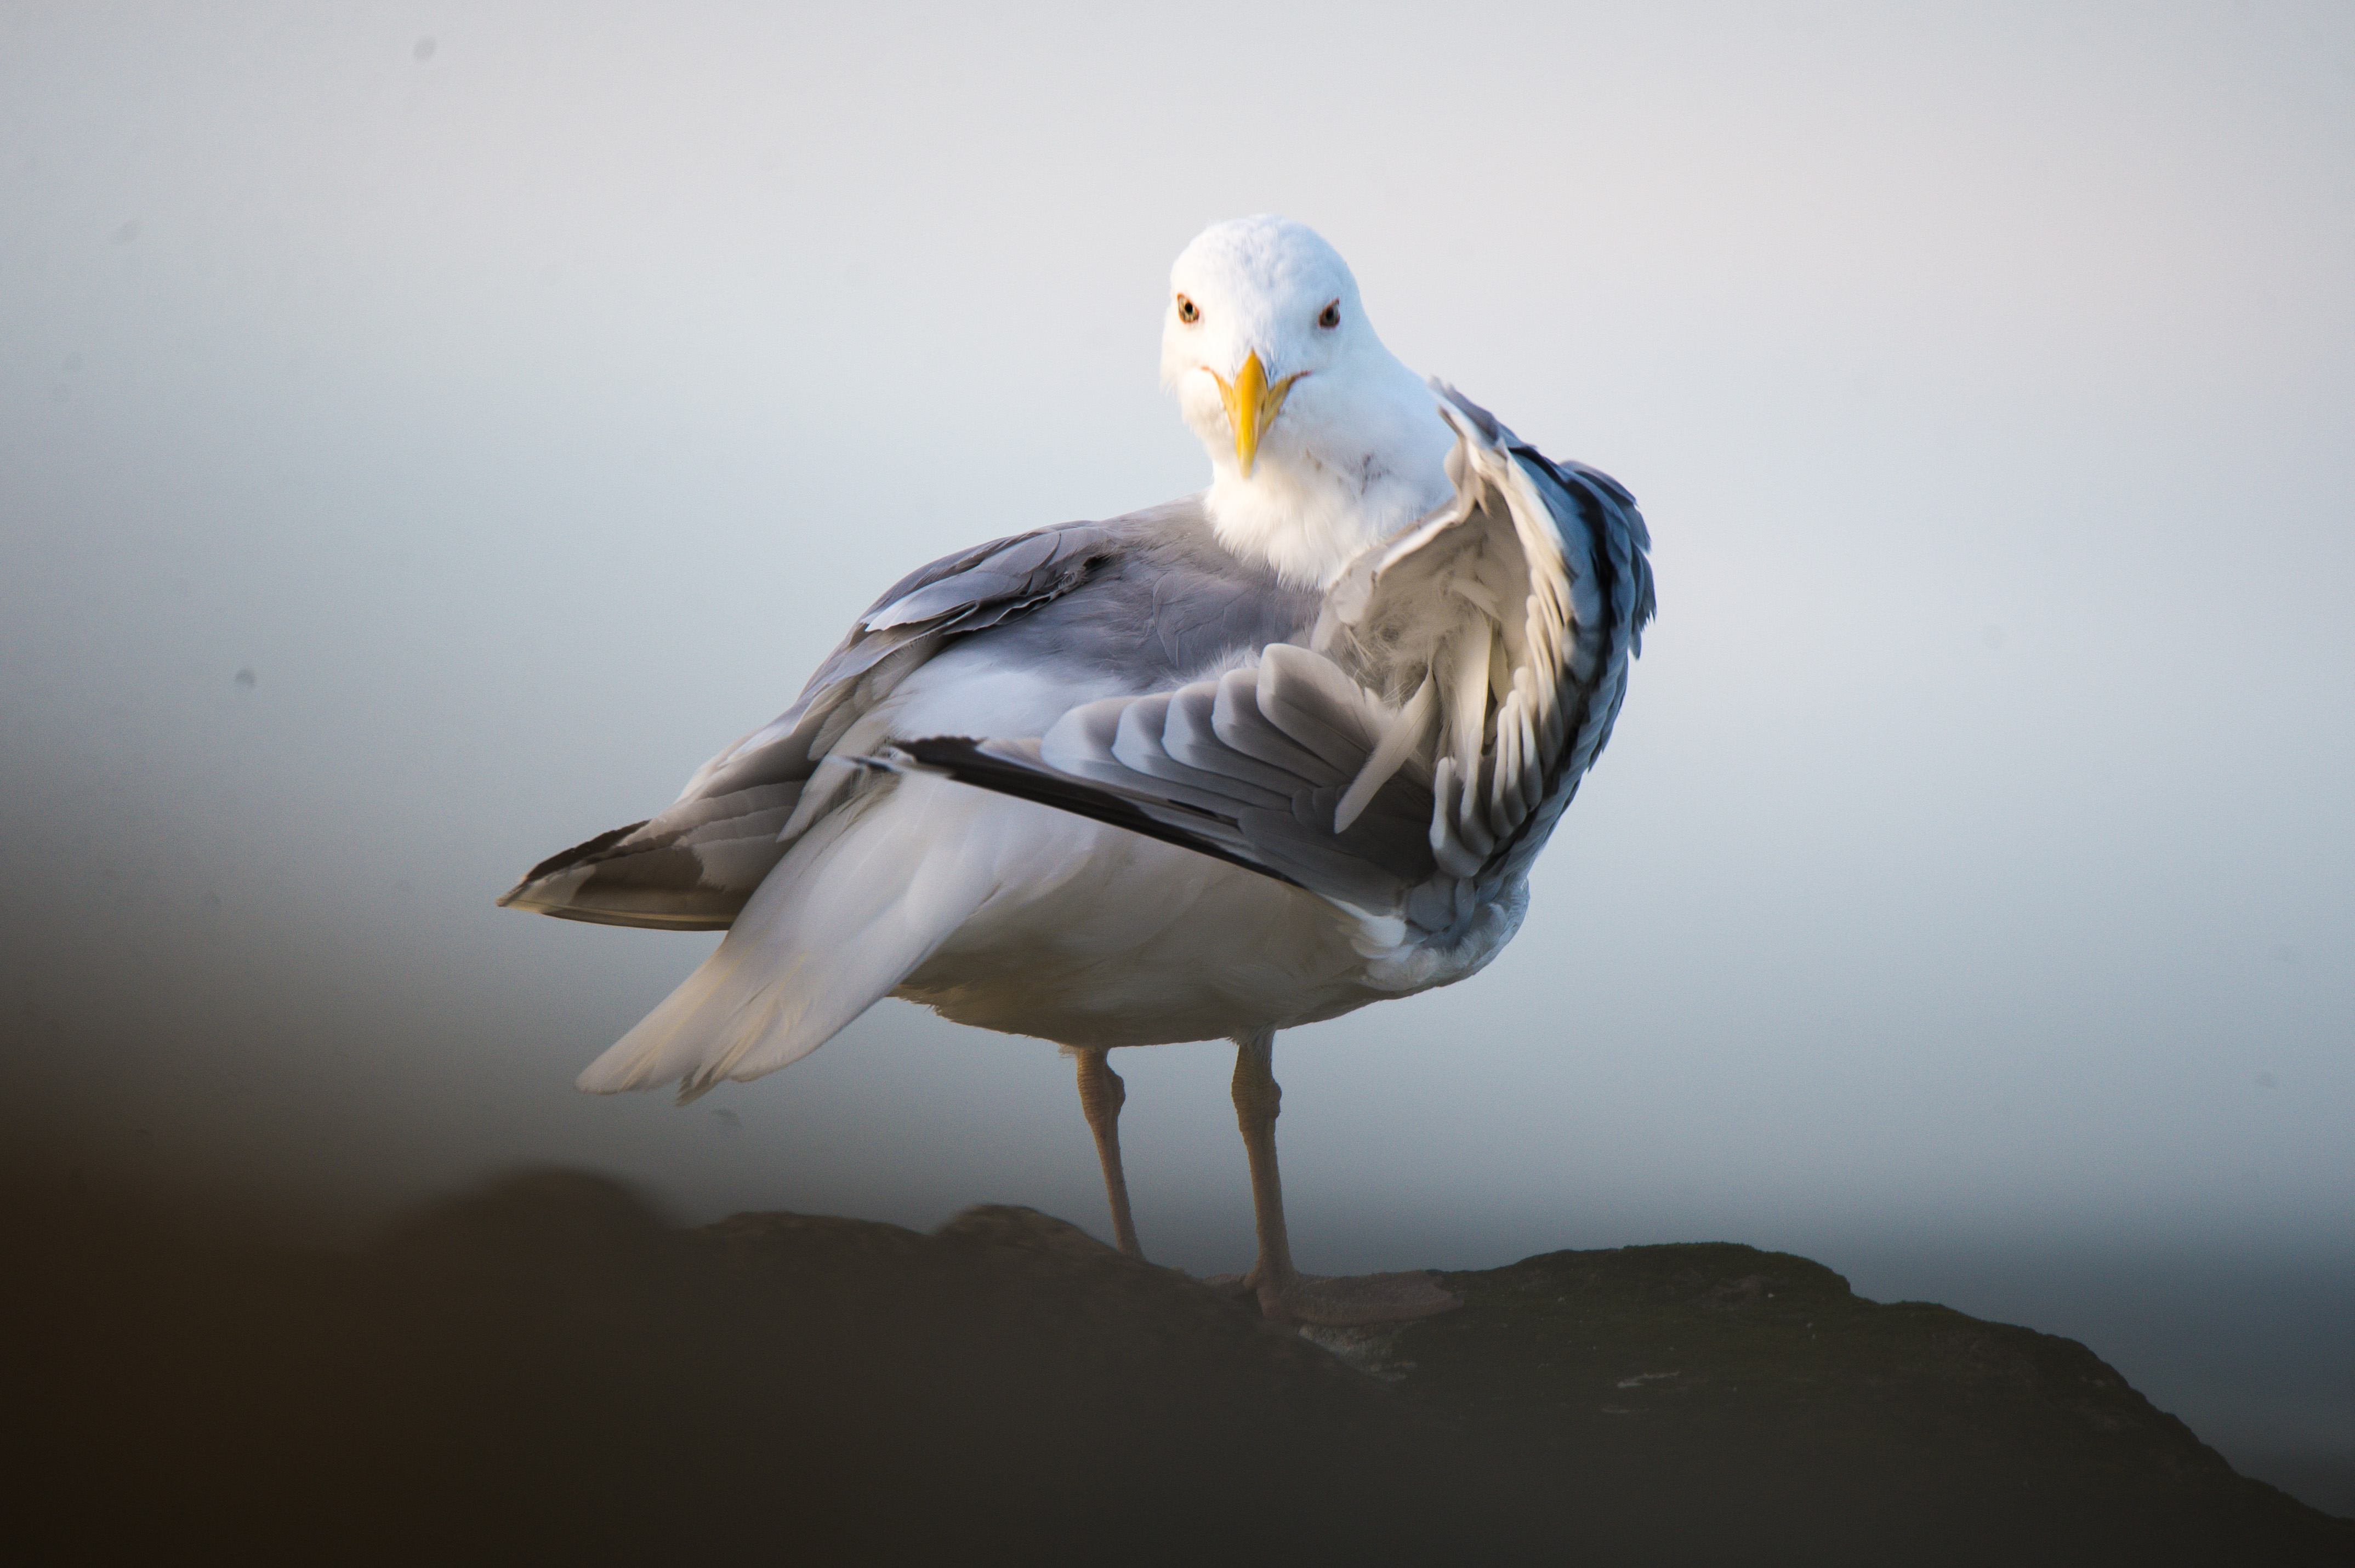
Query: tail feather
x=862, y=900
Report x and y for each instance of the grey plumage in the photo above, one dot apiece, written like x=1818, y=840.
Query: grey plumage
x=1401, y=744
x=1504, y=623
x=1162, y=601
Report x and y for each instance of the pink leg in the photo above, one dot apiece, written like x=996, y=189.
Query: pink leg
x=1101, y=1097
x=1284, y=1294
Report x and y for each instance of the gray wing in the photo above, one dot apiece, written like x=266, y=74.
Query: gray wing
x=1250, y=767
x=1523, y=604
x=1460, y=681
x=691, y=867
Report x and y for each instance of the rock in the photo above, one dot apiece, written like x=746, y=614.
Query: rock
x=545, y=1371
x=1727, y=1400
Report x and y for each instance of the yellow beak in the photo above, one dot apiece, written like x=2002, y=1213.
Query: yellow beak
x=1252, y=405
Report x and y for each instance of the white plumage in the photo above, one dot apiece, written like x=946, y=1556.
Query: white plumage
x=1251, y=760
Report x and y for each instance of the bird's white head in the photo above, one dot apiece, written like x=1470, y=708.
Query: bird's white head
x=1320, y=441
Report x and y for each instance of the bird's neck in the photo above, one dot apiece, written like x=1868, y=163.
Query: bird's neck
x=1306, y=527
x=1308, y=509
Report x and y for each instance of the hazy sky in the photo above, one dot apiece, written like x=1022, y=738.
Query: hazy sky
x=428, y=431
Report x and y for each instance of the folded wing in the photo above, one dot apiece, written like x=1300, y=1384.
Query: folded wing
x=1460, y=681
x=694, y=867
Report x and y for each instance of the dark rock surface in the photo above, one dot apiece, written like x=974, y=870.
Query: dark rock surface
x=544, y=1371
x=1749, y=1397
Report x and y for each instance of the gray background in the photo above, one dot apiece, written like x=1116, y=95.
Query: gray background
x=523, y=397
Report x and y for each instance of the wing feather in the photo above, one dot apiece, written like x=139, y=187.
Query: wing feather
x=1460, y=681
x=693, y=865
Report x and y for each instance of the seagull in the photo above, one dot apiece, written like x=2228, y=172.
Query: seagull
x=1247, y=760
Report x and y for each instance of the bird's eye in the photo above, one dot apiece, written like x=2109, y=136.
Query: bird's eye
x=1330, y=316
x=1186, y=310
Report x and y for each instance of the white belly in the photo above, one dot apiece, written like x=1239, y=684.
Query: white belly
x=1094, y=936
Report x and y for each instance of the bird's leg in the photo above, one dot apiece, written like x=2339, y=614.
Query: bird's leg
x=1101, y=1097
x=1284, y=1294
x=1259, y=1099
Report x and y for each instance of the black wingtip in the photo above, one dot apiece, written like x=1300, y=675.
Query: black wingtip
x=565, y=859
x=963, y=758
